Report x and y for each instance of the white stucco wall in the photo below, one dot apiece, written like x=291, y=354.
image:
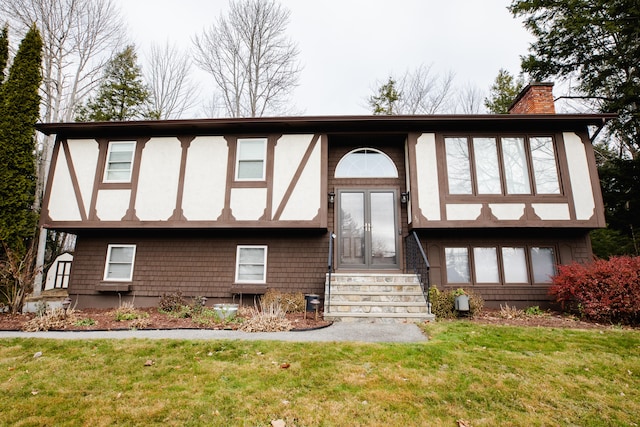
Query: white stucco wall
x=579, y=176
x=158, y=179
x=205, y=178
x=304, y=202
x=507, y=211
x=248, y=204
x=112, y=205
x=85, y=161
x=463, y=212
x=62, y=202
x=551, y=211
x=427, y=176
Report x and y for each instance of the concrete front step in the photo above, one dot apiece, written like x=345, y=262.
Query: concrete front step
x=378, y=318
x=384, y=298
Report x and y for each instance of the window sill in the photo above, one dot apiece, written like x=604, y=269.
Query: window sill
x=113, y=287
x=248, y=288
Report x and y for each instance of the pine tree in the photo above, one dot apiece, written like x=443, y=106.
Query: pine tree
x=19, y=112
x=384, y=103
x=502, y=92
x=122, y=95
x=4, y=51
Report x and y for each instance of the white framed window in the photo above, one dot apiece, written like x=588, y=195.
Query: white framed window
x=119, y=265
x=119, y=161
x=457, y=260
x=543, y=261
x=251, y=264
x=366, y=163
x=250, y=159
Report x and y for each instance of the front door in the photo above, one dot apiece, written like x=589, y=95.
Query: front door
x=367, y=233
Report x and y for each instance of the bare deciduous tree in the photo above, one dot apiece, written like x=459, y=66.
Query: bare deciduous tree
x=167, y=74
x=252, y=61
x=470, y=100
x=421, y=92
x=425, y=93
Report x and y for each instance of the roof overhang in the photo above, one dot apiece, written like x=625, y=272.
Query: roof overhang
x=327, y=124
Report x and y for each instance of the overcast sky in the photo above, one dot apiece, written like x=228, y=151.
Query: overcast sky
x=348, y=47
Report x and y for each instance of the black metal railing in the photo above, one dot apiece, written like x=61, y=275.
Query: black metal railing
x=329, y=271
x=418, y=263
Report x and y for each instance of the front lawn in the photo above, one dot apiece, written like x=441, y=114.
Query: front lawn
x=481, y=374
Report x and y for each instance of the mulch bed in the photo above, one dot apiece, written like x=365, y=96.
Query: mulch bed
x=105, y=320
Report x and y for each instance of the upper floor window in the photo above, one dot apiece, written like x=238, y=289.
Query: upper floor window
x=366, y=163
x=119, y=161
x=250, y=159
x=119, y=265
x=489, y=165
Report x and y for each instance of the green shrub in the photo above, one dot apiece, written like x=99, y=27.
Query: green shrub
x=443, y=302
x=533, y=311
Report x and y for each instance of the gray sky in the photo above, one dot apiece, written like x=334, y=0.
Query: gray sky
x=347, y=47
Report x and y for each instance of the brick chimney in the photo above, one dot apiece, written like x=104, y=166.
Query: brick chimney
x=536, y=98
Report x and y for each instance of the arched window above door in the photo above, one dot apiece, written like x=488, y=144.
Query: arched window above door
x=366, y=163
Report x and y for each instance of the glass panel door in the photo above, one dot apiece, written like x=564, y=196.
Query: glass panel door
x=367, y=229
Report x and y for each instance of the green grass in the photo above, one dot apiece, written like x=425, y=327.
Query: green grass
x=486, y=375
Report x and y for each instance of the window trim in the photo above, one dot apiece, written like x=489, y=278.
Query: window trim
x=533, y=191
x=500, y=263
x=239, y=141
x=107, y=263
x=264, y=264
x=105, y=176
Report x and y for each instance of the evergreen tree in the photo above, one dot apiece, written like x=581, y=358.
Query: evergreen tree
x=122, y=95
x=502, y=92
x=384, y=103
x=595, y=43
x=19, y=111
x=4, y=51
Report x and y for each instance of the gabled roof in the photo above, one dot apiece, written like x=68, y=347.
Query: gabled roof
x=329, y=124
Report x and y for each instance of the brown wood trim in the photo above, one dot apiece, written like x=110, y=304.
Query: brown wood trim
x=44, y=214
x=185, y=143
x=296, y=177
x=595, y=181
x=74, y=179
x=232, y=141
x=323, y=212
x=130, y=215
x=103, y=146
x=272, y=140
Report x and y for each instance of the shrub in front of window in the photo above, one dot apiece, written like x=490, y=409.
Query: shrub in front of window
x=443, y=302
x=603, y=291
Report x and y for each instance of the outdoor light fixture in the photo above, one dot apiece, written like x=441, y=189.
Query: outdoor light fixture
x=404, y=197
x=66, y=303
x=332, y=197
x=203, y=301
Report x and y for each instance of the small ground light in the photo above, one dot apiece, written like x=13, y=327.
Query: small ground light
x=315, y=303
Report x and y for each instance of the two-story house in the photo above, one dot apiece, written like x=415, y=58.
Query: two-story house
x=228, y=207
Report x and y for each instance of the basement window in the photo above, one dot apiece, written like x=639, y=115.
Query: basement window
x=251, y=264
x=119, y=265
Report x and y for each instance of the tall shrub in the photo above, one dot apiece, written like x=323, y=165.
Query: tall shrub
x=605, y=290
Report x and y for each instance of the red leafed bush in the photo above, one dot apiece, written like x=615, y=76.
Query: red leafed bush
x=604, y=291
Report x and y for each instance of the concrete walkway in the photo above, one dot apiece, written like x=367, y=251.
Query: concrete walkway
x=340, y=331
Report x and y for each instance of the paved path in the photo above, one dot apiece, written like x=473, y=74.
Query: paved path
x=339, y=331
